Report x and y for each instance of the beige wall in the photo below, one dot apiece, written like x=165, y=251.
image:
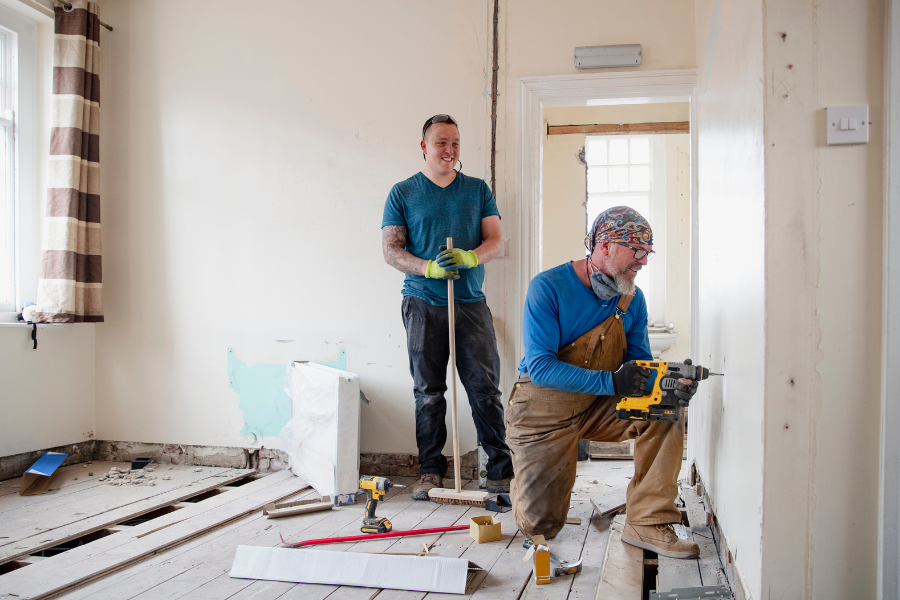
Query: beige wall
x=244, y=182
x=563, y=216
x=726, y=432
x=541, y=38
x=245, y=174
x=563, y=196
x=787, y=326
x=824, y=289
x=47, y=395
x=656, y=112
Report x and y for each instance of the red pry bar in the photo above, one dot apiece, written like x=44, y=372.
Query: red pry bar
x=372, y=536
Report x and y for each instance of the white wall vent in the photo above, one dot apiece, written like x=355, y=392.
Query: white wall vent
x=593, y=57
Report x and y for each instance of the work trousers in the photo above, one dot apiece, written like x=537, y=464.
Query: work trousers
x=478, y=365
x=543, y=437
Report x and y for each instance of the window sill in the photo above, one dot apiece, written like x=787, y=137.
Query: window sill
x=29, y=325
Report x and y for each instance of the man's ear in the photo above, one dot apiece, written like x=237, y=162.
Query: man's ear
x=423, y=145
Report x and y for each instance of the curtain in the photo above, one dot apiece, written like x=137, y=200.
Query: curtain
x=70, y=285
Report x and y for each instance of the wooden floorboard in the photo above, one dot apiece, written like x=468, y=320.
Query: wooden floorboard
x=88, y=562
x=567, y=544
x=584, y=584
x=622, y=568
x=58, y=525
x=709, y=565
x=197, y=566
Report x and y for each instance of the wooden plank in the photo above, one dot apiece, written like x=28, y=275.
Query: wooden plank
x=711, y=571
x=610, y=500
x=85, y=563
x=584, y=586
x=622, y=129
x=59, y=511
x=623, y=567
x=404, y=513
x=176, y=570
x=84, y=525
x=171, y=563
x=677, y=573
x=568, y=545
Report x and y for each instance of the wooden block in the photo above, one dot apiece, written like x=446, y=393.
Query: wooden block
x=300, y=507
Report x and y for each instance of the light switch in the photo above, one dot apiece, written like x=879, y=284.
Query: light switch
x=847, y=124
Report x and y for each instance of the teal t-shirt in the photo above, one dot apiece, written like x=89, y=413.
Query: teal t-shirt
x=431, y=214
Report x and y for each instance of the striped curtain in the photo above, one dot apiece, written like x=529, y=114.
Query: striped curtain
x=70, y=286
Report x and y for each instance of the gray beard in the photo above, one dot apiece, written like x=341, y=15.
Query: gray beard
x=625, y=286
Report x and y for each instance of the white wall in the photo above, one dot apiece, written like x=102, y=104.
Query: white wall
x=47, y=396
x=247, y=160
x=726, y=432
x=786, y=443
x=824, y=289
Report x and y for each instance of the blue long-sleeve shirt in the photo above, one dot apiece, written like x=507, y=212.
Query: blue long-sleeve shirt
x=558, y=310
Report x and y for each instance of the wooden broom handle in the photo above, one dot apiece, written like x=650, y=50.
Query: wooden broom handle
x=451, y=318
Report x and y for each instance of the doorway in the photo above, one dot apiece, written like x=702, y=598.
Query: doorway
x=638, y=155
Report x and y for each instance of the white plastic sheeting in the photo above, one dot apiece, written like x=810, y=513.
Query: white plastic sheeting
x=322, y=437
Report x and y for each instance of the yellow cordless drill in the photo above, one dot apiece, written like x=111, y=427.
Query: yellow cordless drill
x=654, y=406
x=376, y=488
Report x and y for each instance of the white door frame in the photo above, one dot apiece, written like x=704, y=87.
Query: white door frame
x=889, y=501
x=536, y=93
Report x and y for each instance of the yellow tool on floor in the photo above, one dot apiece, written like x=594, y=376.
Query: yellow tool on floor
x=654, y=406
x=375, y=487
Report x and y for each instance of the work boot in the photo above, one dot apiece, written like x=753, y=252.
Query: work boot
x=660, y=539
x=498, y=486
x=426, y=482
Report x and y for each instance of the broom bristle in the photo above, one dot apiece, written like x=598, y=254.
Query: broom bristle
x=462, y=497
x=458, y=501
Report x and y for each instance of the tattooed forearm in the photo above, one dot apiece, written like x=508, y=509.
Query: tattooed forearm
x=393, y=244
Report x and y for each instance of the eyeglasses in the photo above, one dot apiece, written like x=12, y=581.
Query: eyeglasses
x=639, y=253
x=437, y=119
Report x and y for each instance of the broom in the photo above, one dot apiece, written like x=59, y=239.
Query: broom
x=457, y=495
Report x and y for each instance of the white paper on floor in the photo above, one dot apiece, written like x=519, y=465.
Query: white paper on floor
x=385, y=571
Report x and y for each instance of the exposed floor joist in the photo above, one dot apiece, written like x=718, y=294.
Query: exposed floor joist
x=79, y=504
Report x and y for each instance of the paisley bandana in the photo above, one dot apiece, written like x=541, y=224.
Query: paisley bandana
x=619, y=224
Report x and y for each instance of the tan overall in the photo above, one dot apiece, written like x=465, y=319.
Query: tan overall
x=543, y=427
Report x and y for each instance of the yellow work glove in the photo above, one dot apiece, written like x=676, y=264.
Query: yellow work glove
x=456, y=258
x=435, y=271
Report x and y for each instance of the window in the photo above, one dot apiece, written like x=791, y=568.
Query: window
x=630, y=171
x=18, y=239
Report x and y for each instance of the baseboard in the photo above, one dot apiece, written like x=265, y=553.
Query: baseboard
x=735, y=580
x=16, y=464
x=261, y=459
x=407, y=465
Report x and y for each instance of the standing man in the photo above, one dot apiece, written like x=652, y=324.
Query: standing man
x=420, y=214
x=583, y=322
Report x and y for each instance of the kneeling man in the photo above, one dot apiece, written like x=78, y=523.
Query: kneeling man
x=583, y=322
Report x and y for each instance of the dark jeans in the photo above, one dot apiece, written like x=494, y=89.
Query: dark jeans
x=478, y=364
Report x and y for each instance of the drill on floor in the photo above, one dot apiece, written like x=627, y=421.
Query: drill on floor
x=375, y=487
x=654, y=406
